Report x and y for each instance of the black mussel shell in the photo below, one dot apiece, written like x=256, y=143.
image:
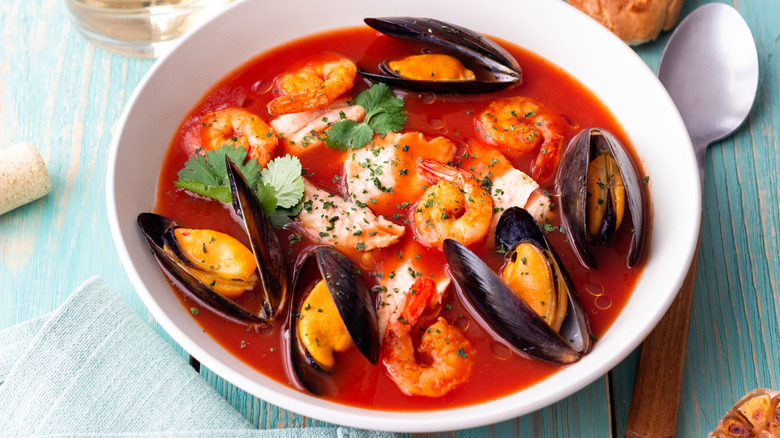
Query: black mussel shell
x=154, y=228
x=494, y=66
x=354, y=304
x=268, y=251
x=507, y=315
x=516, y=225
x=572, y=183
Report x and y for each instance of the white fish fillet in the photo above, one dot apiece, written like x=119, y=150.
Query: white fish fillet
x=301, y=132
x=516, y=189
x=333, y=220
x=390, y=163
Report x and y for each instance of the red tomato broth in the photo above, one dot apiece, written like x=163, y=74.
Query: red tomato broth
x=359, y=383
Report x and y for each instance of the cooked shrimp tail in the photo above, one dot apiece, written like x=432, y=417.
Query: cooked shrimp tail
x=523, y=125
x=240, y=128
x=435, y=171
x=456, y=207
x=451, y=353
x=314, y=86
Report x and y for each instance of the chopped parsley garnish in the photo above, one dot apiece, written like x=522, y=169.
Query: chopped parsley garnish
x=385, y=113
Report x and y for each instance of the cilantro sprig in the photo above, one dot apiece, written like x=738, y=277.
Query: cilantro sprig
x=385, y=113
x=278, y=186
x=207, y=174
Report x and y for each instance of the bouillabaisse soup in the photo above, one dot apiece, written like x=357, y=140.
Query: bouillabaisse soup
x=447, y=170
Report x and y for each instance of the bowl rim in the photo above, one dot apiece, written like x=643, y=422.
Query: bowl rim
x=544, y=393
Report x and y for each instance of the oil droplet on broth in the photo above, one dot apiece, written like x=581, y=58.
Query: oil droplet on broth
x=595, y=289
x=462, y=324
x=261, y=87
x=436, y=123
x=500, y=350
x=603, y=302
x=264, y=330
x=427, y=98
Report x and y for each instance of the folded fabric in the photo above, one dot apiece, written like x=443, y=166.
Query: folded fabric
x=94, y=368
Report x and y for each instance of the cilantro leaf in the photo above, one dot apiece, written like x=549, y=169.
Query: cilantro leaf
x=266, y=194
x=375, y=98
x=220, y=193
x=279, y=186
x=284, y=175
x=282, y=216
x=348, y=134
x=198, y=170
x=384, y=113
x=386, y=122
x=207, y=175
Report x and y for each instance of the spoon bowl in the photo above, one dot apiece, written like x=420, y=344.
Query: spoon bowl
x=710, y=69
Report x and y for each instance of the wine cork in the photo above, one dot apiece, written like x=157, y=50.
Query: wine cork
x=23, y=176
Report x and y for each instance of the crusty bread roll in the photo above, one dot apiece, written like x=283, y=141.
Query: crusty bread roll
x=634, y=21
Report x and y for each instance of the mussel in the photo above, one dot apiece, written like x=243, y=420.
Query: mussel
x=598, y=181
x=331, y=310
x=561, y=333
x=214, y=266
x=468, y=63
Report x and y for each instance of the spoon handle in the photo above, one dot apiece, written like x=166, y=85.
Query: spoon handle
x=655, y=399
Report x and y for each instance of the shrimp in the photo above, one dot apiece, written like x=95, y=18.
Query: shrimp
x=522, y=125
x=314, y=86
x=451, y=353
x=239, y=127
x=398, y=276
x=456, y=207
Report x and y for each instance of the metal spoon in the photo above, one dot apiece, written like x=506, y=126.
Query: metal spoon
x=710, y=69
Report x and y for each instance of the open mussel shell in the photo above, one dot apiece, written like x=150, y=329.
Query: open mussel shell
x=516, y=226
x=353, y=302
x=494, y=67
x=265, y=246
x=509, y=317
x=156, y=229
x=268, y=251
x=584, y=148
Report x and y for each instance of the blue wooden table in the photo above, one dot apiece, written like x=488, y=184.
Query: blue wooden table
x=65, y=96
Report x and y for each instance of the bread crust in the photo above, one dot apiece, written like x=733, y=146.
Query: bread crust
x=634, y=21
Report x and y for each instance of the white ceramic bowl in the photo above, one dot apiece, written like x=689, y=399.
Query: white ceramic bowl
x=548, y=27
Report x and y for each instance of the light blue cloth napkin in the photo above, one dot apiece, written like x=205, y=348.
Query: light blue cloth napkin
x=94, y=368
